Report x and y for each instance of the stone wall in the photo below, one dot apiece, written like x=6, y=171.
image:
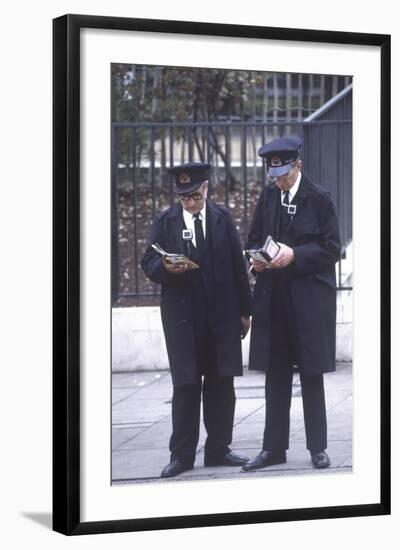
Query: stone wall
x=138, y=340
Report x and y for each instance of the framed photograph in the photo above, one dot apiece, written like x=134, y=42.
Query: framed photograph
x=133, y=97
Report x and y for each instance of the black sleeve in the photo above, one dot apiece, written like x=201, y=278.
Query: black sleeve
x=255, y=237
x=151, y=263
x=324, y=252
x=239, y=267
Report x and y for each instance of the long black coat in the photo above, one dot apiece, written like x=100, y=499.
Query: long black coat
x=314, y=236
x=232, y=292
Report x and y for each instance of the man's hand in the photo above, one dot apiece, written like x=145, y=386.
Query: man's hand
x=245, y=325
x=284, y=257
x=174, y=268
x=258, y=266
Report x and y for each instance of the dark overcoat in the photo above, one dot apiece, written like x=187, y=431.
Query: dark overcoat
x=314, y=237
x=232, y=293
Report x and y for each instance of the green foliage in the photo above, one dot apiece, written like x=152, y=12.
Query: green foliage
x=173, y=94
x=154, y=94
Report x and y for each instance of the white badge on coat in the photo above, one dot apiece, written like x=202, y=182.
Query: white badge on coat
x=291, y=209
x=187, y=234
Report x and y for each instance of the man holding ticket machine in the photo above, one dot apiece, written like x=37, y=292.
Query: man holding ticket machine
x=292, y=247
x=195, y=254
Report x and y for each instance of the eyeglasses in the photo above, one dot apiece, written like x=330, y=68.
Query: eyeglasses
x=187, y=196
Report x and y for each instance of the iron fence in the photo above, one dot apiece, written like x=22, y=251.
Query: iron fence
x=142, y=153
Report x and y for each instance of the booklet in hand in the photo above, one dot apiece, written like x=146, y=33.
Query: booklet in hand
x=267, y=252
x=175, y=258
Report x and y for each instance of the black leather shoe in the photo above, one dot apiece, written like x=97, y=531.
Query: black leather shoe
x=320, y=459
x=175, y=467
x=229, y=459
x=264, y=459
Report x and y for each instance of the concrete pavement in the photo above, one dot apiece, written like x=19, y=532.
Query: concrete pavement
x=141, y=427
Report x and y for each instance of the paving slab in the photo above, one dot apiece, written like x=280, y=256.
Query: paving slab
x=119, y=394
x=246, y=407
x=141, y=428
x=136, y=379
x=155, y=436
x=132, y=467
x=136, y=465
x=122, y=435
x=145, y=410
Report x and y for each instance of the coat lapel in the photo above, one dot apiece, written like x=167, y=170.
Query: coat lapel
x=213, y=217
x=177, y=225
x=302, y=191
x=300, y=197
x=273, y=205
x=272, y=210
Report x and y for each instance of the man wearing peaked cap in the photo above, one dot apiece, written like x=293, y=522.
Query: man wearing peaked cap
x=294, y=302
x=205, y=312
x=189, y=176
x=280, y=154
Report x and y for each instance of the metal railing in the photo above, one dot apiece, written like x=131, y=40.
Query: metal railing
x=142, y=152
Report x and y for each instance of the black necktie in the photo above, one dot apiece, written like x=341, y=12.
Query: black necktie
x=286, y=198
x=198, y=230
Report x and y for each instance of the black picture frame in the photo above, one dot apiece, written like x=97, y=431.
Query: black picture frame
x=66, y=271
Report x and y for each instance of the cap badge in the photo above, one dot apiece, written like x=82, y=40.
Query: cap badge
x=184, y=177
x=276, y=161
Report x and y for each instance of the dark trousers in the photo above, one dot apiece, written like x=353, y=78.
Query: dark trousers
x=218, y=413
x=278, y=381
x=218, y=393
x=278, y=395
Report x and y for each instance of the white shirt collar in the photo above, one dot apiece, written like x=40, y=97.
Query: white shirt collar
x=187, y=216
x=189, y=221
x=293, y=190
